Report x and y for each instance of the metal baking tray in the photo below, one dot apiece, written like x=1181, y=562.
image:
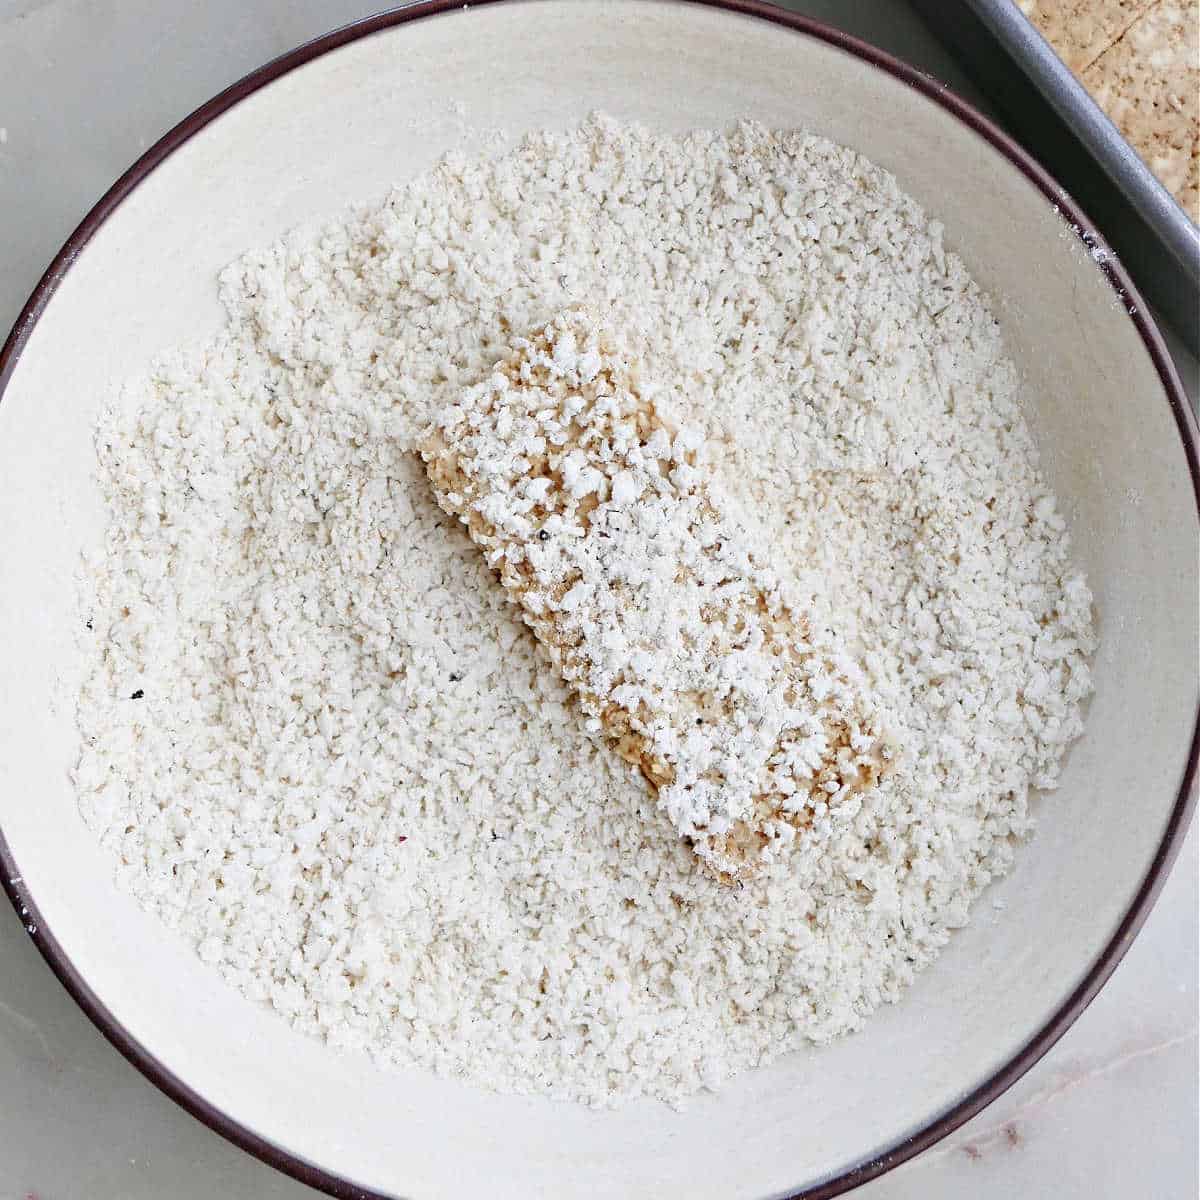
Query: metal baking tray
x=1051, y=112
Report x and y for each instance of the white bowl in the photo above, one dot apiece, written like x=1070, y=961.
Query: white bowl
x=341, y=120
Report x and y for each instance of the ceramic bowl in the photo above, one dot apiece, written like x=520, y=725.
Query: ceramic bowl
x=341, y=120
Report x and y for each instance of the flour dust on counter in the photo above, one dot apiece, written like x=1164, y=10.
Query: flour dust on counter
x=321, y=746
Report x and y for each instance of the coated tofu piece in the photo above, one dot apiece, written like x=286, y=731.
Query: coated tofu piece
x=647, y=587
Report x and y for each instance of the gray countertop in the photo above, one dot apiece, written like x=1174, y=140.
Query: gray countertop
x=85, y=87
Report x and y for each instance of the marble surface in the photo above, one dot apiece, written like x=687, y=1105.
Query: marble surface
x=85, y=86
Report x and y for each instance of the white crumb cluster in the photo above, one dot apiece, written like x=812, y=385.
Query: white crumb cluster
x=653, y=596
x=321, y=745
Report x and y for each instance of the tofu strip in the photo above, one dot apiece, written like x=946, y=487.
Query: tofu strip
x=651, y=595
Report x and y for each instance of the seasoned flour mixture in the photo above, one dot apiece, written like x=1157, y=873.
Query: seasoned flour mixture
x=320, y=744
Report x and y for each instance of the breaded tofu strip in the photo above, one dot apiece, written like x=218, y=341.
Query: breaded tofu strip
x=650, y=594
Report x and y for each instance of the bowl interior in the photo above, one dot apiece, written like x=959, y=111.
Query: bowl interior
x=345, y=127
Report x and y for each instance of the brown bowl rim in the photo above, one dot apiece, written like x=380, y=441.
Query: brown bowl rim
x=1128, y=295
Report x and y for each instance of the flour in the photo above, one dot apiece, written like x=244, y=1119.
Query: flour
x=351, y=779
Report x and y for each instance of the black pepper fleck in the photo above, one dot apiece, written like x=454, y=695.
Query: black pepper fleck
x=137, y=695
x=543, y=536
x=455, y=677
